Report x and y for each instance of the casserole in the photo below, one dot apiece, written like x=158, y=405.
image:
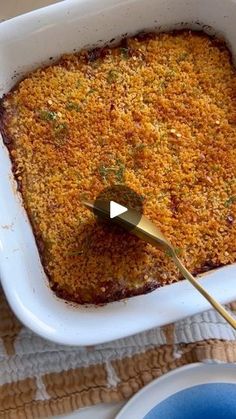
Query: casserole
x=23, y=42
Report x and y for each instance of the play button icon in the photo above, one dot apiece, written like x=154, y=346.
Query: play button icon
x=116, y=209
x=118, y=202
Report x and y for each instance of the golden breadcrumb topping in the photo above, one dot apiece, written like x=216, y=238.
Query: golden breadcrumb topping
x=157, y=114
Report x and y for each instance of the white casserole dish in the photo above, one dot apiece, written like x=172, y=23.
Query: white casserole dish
x=27, y=42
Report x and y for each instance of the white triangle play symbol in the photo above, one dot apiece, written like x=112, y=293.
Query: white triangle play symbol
x=116, y=209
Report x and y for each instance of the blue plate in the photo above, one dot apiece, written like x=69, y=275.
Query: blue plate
x=197, y=391
x=207, y=401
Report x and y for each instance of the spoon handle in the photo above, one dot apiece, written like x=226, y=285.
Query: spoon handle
x=202, y=290
x=147, y=231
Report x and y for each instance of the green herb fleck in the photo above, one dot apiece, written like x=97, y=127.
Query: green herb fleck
x=118, y=171
x=230, y=201
x=60, y=132
x=103, y=171
x=83, y=196
x=125, y=53
x=78, y=83
x=170, y=75
x=112, y=76
x=73, y=106
x=178, y=251
x=215, y=167
x=161, y=197
x=182, y=57
x=48, y=115
x=169, y=253
x=91, y=91
x=162, y=85
x=76, y=252
x=101, y=141
x=48, y=245
x=146, y=98
x=140, y=147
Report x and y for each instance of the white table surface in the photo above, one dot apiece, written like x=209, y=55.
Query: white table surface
x=12, y=8
x=102, y=411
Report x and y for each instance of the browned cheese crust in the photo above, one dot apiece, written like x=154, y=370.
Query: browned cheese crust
x=157, y=114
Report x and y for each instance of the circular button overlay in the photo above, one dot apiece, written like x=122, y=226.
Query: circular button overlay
x=119, y=204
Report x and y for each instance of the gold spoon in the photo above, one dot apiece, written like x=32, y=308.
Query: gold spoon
x=147, y=231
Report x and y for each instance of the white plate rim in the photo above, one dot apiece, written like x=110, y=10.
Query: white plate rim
x=176, y=380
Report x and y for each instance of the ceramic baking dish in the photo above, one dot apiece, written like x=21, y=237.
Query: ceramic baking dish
x=29, y=41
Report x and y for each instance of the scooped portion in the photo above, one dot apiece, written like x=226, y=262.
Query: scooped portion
x=156, y=114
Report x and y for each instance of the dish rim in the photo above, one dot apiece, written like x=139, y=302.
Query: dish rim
x=36, y=325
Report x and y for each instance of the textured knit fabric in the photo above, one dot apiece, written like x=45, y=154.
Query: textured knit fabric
x=39, y=378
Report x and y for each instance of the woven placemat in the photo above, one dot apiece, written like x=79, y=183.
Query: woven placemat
x=40, y=379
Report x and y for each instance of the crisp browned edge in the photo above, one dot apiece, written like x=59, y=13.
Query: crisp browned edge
x=92, y=55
